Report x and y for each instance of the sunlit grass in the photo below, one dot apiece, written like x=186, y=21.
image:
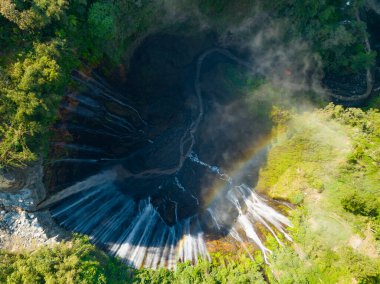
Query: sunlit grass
x=317, y=160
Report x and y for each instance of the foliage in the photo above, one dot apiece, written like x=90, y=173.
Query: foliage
x=32, y=15
x=102, y=31
x=318, y=160
x=361, y=204
x=222, y=269
x=223, y=14
x=80, y=262
x=30, y=97
x=333, y=30
x=101, y=19
x=327, y=162
x=42, y=42
x=73, y=262
x=329, y=166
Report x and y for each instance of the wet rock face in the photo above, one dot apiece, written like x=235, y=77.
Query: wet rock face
x=180, y=98
x=164, y=160
x=150, y=145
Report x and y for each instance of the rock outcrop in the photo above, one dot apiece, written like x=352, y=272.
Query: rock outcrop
x=22, y=188
x=21, y=228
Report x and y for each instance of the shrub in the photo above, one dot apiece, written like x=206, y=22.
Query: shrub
x=73, y=262
x=361, y=204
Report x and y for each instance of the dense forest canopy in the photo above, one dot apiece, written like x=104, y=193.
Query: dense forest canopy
x=324, y=161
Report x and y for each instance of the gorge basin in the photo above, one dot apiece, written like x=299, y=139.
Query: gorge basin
x=154, y=163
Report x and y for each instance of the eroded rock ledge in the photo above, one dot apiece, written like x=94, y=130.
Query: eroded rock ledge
x=20, y=228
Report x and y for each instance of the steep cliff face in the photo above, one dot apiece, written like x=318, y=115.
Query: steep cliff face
x=22, y=188
x=20, y=191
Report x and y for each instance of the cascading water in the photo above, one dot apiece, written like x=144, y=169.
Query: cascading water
x=132, y=180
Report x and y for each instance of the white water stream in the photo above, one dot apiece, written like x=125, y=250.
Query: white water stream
x=134, y=230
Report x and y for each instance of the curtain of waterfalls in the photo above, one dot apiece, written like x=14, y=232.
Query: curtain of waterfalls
x=135, y=186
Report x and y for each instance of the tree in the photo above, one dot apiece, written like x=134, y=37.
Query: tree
x=102, y=21
x=29, y=102
x=32, y=15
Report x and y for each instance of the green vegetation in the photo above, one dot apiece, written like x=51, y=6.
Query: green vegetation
x=327, y=162
x=333, y=29
x=29, y=102
x=43, y=41
x=33, y=15
x=223, y=269
x=80, y=262
x=74, y=262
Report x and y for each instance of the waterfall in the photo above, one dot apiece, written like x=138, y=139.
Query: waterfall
x=136, y=232
x=109, y=205
x=256, y=212
x=132, y=231
x=251, y=208
x=98, y=88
